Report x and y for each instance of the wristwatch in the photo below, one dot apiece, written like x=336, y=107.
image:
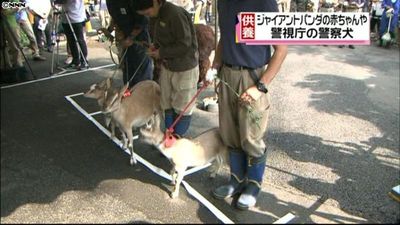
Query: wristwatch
x=262, y=87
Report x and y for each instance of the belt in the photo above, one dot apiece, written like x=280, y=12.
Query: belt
x=238, y=67
x=252, y=71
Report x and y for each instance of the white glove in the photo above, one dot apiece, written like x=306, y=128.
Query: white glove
x=211, y=75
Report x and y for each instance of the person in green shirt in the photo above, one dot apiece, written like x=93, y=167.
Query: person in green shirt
x=11, y=32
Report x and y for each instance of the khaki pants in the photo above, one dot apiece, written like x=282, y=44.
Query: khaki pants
x=237, y=129
x=178, y=88
x=323, y=9
x=104, y=18
x=27, y=28
x=15, y=53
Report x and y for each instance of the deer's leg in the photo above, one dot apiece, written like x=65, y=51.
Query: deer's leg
x=124, y=139
x=112, y=129
x=180, y=174
x=173, y=175
x=216, y=167
x=130, y=145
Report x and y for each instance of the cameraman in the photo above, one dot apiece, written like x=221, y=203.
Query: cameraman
x=75, y=10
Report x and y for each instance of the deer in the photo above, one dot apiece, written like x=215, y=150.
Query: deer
x=134, y=110
x=128, y=109
x=205, y=148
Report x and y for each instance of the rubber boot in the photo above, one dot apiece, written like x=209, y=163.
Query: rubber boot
x=255, y=172
x=237, y=164
x=169, y=118
x=182, y=126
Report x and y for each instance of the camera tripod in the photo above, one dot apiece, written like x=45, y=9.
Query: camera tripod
x=57, y=13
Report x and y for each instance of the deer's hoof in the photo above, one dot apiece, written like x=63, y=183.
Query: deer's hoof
x=174, y=195
x=133, y=161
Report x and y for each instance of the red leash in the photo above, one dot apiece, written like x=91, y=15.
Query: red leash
x=169, y=137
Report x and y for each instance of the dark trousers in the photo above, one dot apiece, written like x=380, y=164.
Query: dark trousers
x=136, y=56
x=78, y=29
x=39, y=33
x=375, y=21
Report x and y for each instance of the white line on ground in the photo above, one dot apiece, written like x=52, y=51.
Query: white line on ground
x=285, y=219
x=57, y=76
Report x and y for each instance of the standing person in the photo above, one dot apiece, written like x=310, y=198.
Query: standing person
x=352, y=6
x=75, y=10
x=25, y=25
x=328, y=5
x=248, y=70
x=41, y=24
x=298, y=5
x=376, y=14
x=391, y=9
x=103, y=14
x=132, y=33
x=175, y=43
x=9, y=26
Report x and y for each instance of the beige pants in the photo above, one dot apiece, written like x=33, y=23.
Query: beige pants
x=15, y=53
x=104, y=18
x=238, y=129
x=27, y=28
x=178, y=88
x=322, y=9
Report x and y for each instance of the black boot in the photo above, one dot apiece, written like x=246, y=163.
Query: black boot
x=237, y=163
x=255, y=172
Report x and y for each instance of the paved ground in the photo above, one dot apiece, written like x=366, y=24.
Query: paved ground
x=333, y=149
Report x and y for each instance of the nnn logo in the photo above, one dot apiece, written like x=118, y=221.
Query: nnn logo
x=12, y=5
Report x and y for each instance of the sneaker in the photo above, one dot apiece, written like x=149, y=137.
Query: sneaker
x=352, y=47
x=341, y=46
x=68, y=60
x=84, y=65
x=73, y=66
x=39, y=58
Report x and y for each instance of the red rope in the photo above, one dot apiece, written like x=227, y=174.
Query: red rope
x=171, y=128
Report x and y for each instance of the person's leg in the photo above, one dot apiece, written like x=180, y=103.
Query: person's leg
x=27, y=28
x=38, y=33
x=228, y=121
x=71, y=44
x=253, y=125
x=293, y=6
x=15, y=57
x=166, y=92
x=47, y=32
x=79, y=32
x=184, y=89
